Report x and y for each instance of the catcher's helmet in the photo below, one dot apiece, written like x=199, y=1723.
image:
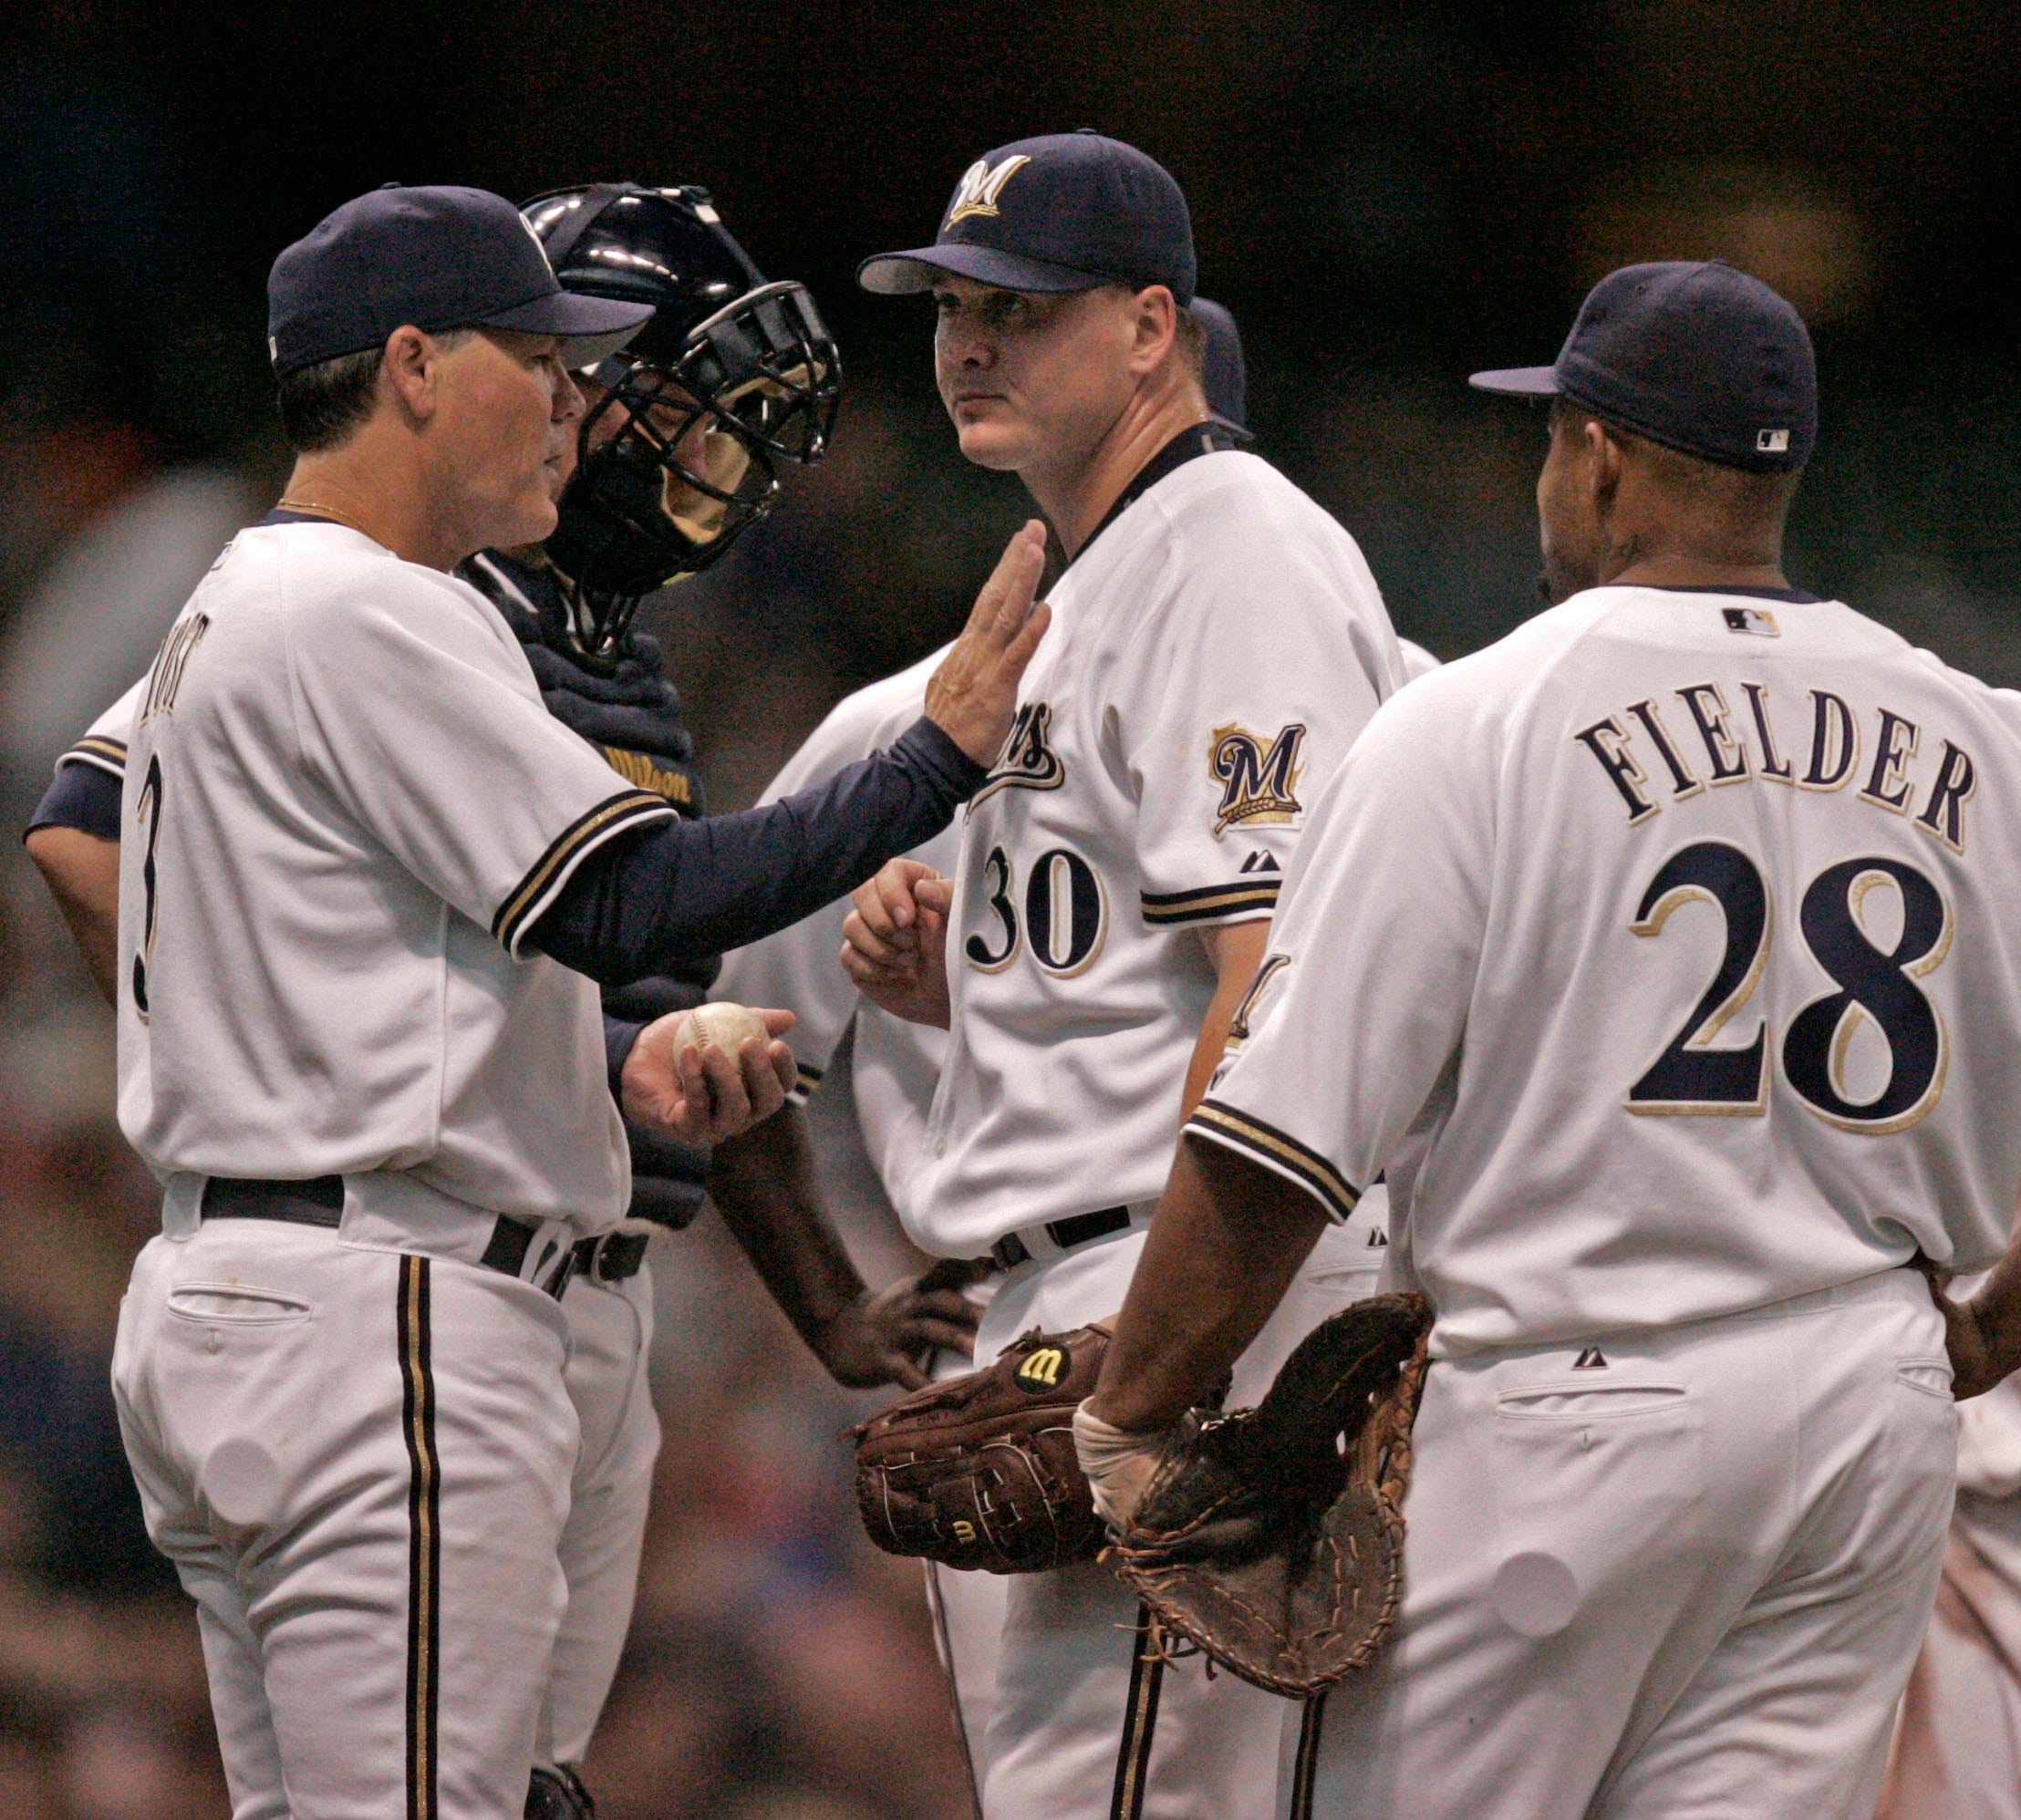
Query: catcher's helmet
x=753, y=357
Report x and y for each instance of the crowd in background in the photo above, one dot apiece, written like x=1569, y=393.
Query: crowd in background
x=779, y=1669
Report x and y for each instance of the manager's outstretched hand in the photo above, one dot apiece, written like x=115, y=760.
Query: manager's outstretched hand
x=974, y=693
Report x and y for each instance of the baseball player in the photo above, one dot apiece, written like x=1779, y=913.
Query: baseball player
x=894, y=1065
x=384, y=1114
x=1657, y=955
x=1219, y=642
x=764, y=362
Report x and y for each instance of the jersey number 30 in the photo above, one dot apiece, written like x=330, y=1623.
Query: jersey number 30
x=1065, y=917
x=1689, y=1077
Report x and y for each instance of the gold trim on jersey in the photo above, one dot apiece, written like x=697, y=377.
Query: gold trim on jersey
x=1251, y=897
x=1278, y=1151
x=96, y=749
x=551, y=870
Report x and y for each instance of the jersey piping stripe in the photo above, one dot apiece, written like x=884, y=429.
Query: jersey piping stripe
x=944, y=1640
x=1140, y=1718
x=1278, y=1151
x=1211, y=901
x=108, y=755
x=1305, y=1774
x=568, y=849
x=424, y=1548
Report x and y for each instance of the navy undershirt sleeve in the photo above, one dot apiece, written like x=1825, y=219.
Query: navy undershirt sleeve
x=84, y=797
x=619, y=1035
x=642, y=903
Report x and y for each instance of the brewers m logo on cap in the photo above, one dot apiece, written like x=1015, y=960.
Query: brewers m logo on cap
x=977, y=192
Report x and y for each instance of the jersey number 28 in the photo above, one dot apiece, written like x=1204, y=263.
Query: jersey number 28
x=1689, y=1077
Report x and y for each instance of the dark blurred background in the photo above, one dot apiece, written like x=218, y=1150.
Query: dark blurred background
x=1386, y=196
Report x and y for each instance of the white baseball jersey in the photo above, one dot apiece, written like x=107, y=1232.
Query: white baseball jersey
x=345, y=805
x=894, y=1064
x=1213, y=652
x=1663, y=954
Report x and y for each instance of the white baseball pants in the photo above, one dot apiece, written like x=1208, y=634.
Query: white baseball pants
x=358, y=1462
x=610, y=1333
x=1674, y=1576
x=1088, y=1725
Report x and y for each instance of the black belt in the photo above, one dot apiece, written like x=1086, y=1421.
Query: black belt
x=611, y=1257
x=319, y=1202
x=1009, y=1250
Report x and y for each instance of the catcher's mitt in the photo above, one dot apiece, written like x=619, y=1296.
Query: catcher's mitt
x=980, y=1471
x=1273, y=1537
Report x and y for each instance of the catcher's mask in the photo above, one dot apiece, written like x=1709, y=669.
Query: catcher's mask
x=731, y=375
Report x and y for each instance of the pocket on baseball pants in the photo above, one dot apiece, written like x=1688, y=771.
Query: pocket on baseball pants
x=1587, y=1403
x=1929, y=1376
x=237, y=1304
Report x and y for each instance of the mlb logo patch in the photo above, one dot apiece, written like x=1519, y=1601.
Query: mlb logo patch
x=1750, y=620
x=1772, y=442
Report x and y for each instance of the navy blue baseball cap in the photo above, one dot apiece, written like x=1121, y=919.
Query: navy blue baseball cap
x=1225, y=376
x=1066, y=212
x=1693, y=354
x=436, y=257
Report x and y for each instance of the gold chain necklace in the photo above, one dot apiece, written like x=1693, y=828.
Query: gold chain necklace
x=287, y=505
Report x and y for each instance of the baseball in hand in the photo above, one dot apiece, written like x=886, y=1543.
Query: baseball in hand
x=724, y=1024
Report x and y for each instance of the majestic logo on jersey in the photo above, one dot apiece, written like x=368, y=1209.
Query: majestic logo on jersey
x=1027, y=760
x=1041, y=1373
x=637, y=768
x=169, y=662
x=1259, y=783
x=977, y=192
x=1591, y=1359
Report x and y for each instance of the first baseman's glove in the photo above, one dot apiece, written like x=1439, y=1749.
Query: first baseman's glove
x=980, y=1471
x=1273, y=1537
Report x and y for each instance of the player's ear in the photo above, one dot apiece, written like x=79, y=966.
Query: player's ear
x=407, y=367
x=1154, y=323
x=1604, y=460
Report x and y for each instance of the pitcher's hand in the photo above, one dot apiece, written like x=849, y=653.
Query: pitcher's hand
x=894, y=941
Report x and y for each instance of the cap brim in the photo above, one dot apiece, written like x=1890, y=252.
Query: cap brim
x=903, y=274
x=592, y=328
x=1517, y=382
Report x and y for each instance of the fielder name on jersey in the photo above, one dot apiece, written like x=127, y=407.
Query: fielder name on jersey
x=1214, y=651
x=1744, y=986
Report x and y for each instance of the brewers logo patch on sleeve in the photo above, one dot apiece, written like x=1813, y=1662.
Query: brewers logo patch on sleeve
x=1259, y=782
